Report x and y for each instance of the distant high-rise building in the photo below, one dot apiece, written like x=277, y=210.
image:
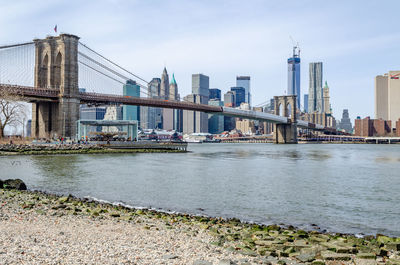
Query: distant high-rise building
x=306, y=103
x=229, y=99
x=240, y=95
x=194, y=121
x=215, y=93
x=387, y=97
x=200, y=85
x=131, y=112
x=345, y=123
x=327, y=104
x=381, y=97
x=164, y=88
x=315, y=94
x=177, y=113
x=151, y=118
x=244, y=81
x=167, y=94
x=294, y=74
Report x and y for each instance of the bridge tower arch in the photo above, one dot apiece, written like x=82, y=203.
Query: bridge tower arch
x=56, y=66
x=286, y=106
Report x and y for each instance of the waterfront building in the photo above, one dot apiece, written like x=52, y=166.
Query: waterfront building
x=305, y=103
x=398, y=128
x=131, y=89
x=324, y=119
x=195, y=121
x=372, y=127
x=246, y=127
x=315, y=93
x=215, y=121
x=345, y=123
x=215, y=93
x=326, y=99
x=112, y=113
x=240, y=95
x=92, y=113
x=387, y=96
x=244, y=81
x=294, y=74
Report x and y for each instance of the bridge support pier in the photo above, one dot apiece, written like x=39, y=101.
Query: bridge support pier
x=56, y=66
x=286, y=106
x=285, y=134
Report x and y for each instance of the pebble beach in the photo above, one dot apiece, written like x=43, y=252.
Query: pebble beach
x=40, y=228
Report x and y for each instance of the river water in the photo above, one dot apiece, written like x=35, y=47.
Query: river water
x=340, y=188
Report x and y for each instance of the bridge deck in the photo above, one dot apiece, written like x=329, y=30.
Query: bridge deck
x=47, y=94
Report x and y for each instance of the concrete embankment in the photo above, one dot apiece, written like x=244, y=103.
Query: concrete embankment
x=45, y=228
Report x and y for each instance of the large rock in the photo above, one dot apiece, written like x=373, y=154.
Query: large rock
x=15, y=184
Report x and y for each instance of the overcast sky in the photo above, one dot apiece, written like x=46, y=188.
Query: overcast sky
x=222, y=39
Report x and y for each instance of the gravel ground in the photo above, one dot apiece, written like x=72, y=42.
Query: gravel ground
x=38, y=228
x=42, y=235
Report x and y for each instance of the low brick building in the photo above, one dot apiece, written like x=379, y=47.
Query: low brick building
x=372, y=127
x=398, y=128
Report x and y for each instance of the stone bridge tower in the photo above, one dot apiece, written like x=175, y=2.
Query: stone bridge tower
x=286, y=133
x=56, y=66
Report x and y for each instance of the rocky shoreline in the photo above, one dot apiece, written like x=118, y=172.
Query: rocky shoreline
x=44, y=228
x=53, y=149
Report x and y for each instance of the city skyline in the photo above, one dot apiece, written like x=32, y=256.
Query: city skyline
x=341, y=46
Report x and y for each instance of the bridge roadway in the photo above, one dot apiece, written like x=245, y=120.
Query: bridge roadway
x=32, y=94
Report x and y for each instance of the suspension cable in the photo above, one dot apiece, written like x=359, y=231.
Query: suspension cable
x=138, y=77
x=16, y=45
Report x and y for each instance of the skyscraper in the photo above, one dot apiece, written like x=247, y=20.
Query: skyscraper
x=131, y=112
x=345, y=123
x=215, y=93
x=229, y=99
x=315, y=93
x=305, y=103
x=177, y=113
x=240, y=95
x=194, y=121
x=164, y=89
x=215, y=121
x=327, y=103
x=244, y=81
x=151, y=118
x=387, y=97
x=294, y=75
x=381, y=97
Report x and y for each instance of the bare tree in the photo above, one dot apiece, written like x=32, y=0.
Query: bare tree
x=12, y=111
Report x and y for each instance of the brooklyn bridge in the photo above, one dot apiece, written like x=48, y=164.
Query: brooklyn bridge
x=48, y=73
